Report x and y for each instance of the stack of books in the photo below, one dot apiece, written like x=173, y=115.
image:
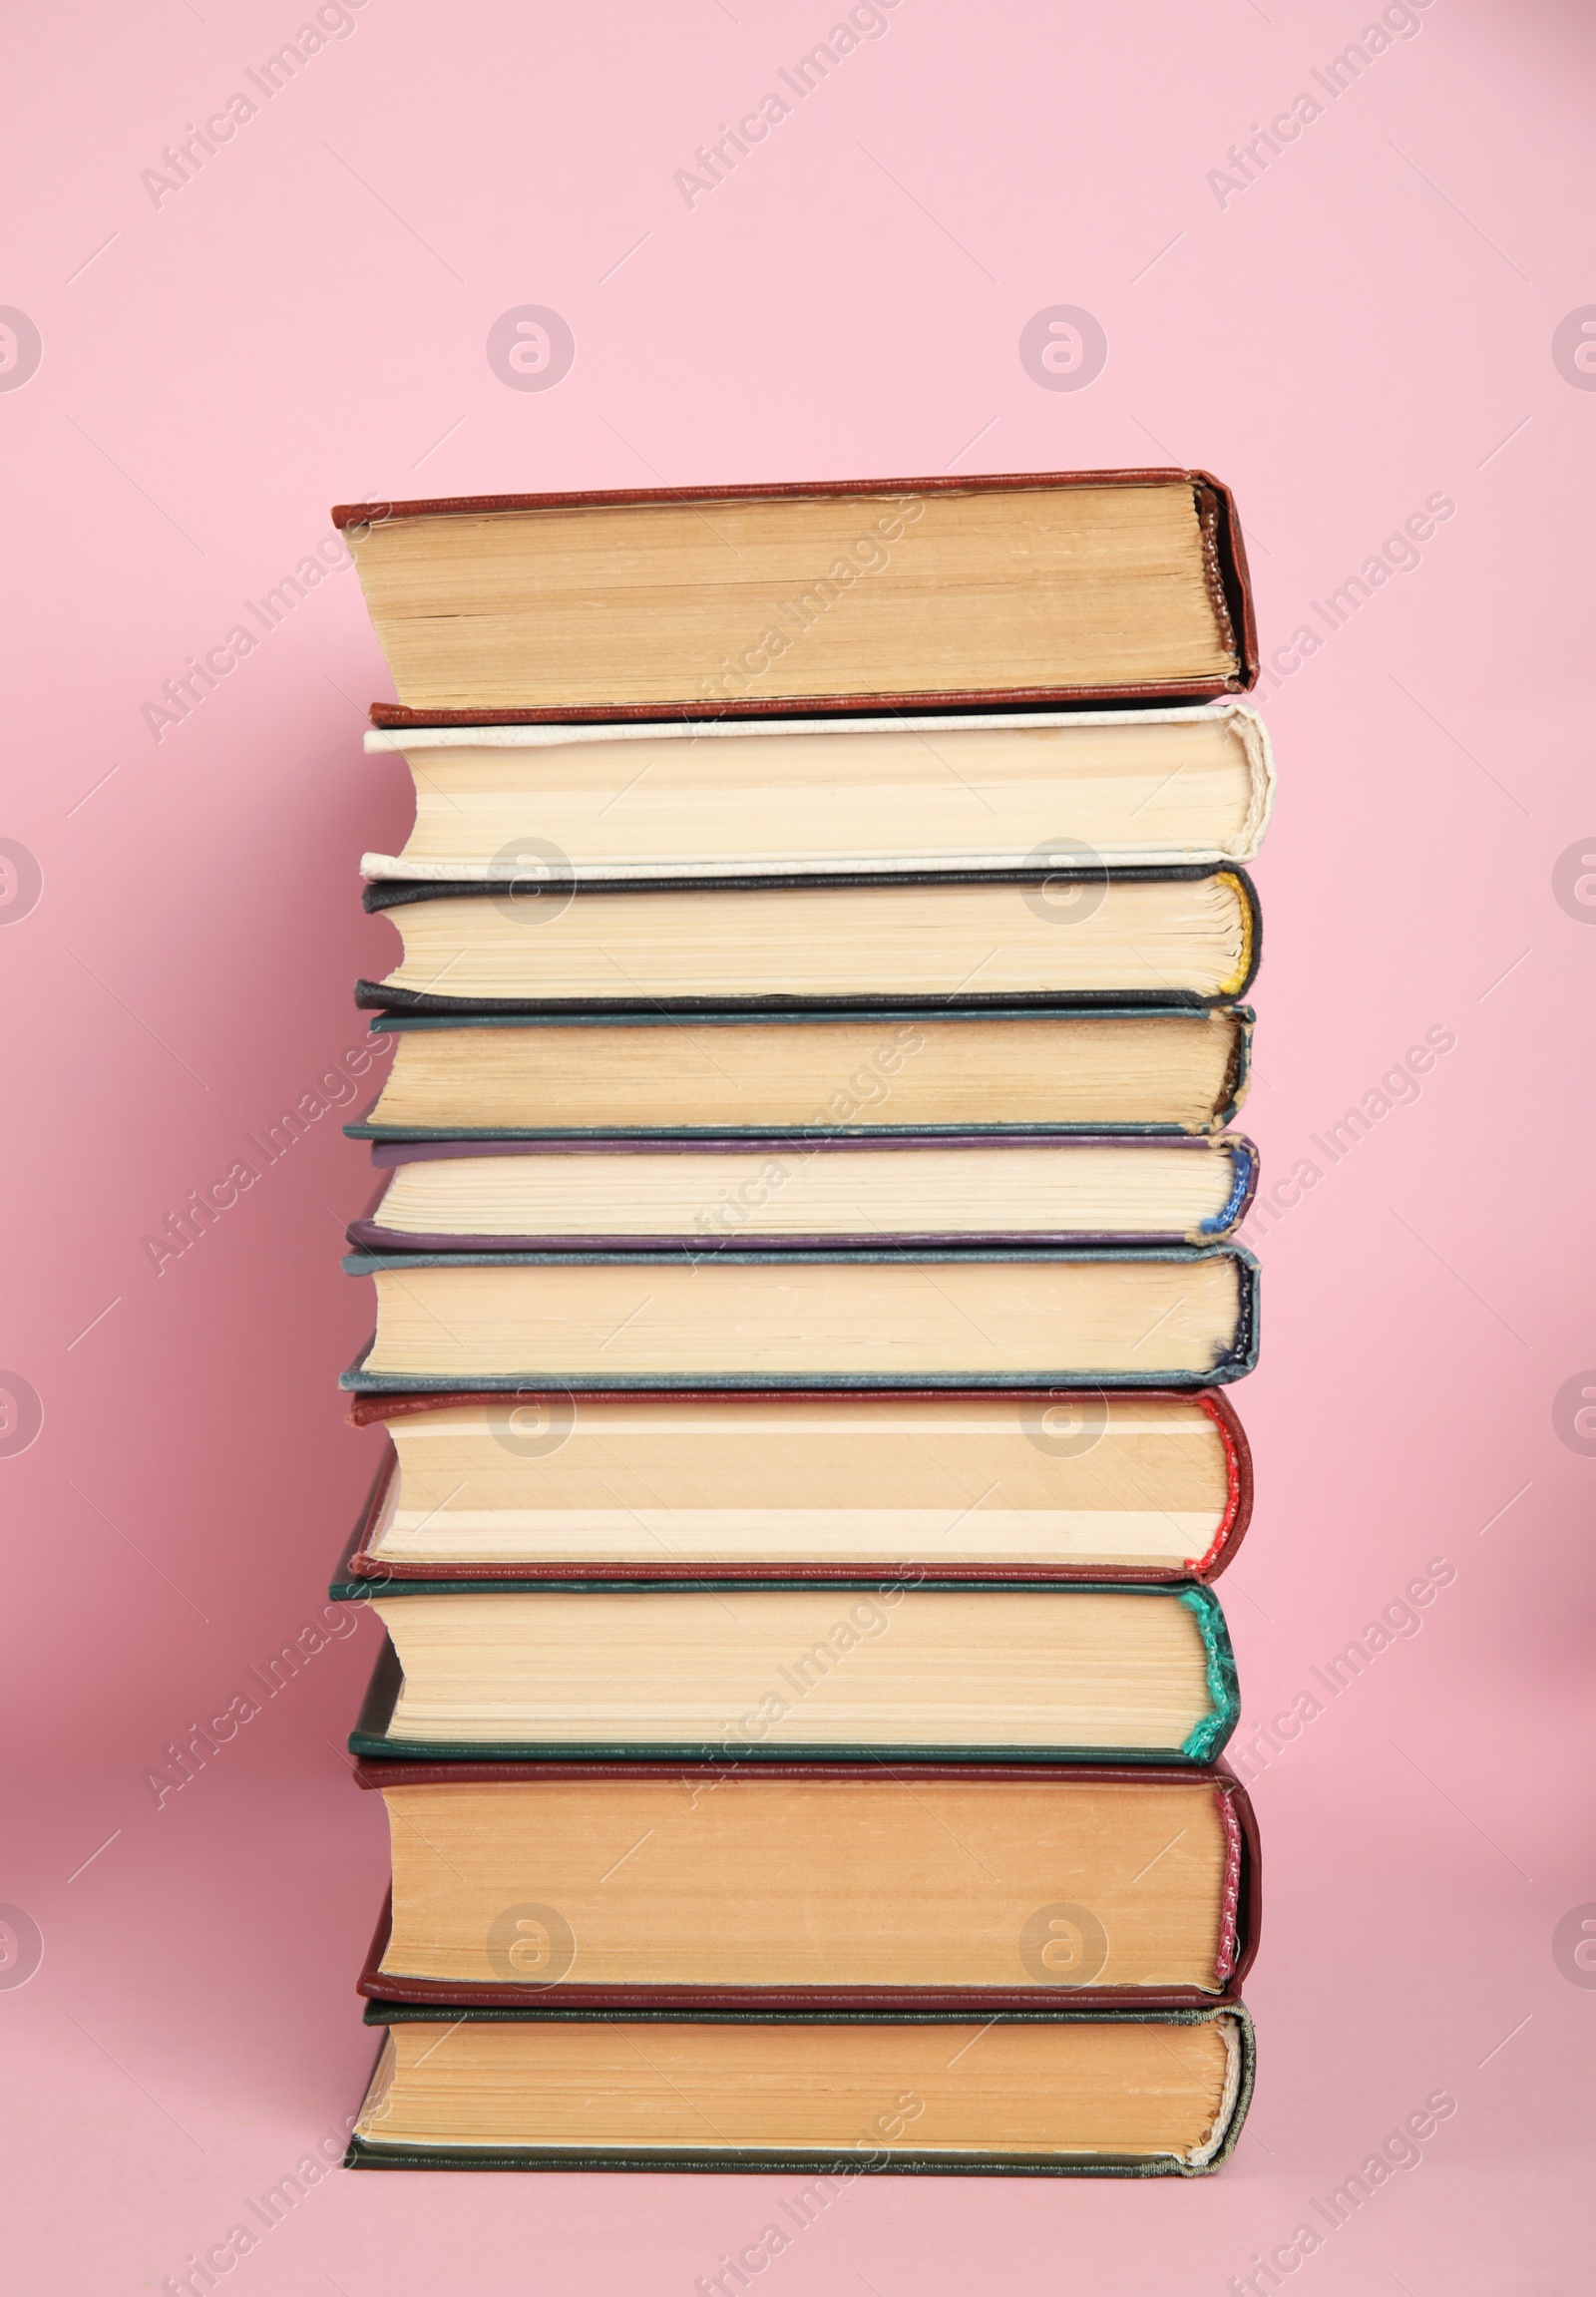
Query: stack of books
x=806, y=1284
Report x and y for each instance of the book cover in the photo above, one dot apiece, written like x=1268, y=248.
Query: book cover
x=1011, y=545
x=762, y=1166
x=1229, y=1356
x=555, y=900
x=862, y=1108
x=372, y=1737
x=1240, y=1915
x=937, y=2048
x=1083, y=1410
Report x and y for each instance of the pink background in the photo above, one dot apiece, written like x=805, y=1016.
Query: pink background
x=1367, y=325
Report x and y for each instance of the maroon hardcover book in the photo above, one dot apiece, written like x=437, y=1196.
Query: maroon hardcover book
x=551, y=1409
x=1062, y=1935
x=490, y=634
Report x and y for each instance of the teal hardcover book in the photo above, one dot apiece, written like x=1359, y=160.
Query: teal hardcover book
x=730, y=1672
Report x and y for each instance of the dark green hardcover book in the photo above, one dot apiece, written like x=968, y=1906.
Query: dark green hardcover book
x=731, y=1671
x=1065, y=2093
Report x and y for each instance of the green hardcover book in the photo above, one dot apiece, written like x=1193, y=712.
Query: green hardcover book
x=913, y=1669
x=1047, y=2094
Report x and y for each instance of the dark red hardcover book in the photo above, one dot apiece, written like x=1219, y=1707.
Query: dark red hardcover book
x=851, y=596
x=1085, y=1413
x=859, y=1870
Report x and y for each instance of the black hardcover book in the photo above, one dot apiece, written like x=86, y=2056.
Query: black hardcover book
x=1057, y=932
x=1175, y=1315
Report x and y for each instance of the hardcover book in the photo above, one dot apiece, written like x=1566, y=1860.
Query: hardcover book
x=885, y=1075
x=788, y=797
x=611, y=1886
x=891, y=594
x=613, y=1193
x=1047, y=935
x=1054, y=2092
x=1173, y=1316
x=914, y=1669
x=1075, y=1484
